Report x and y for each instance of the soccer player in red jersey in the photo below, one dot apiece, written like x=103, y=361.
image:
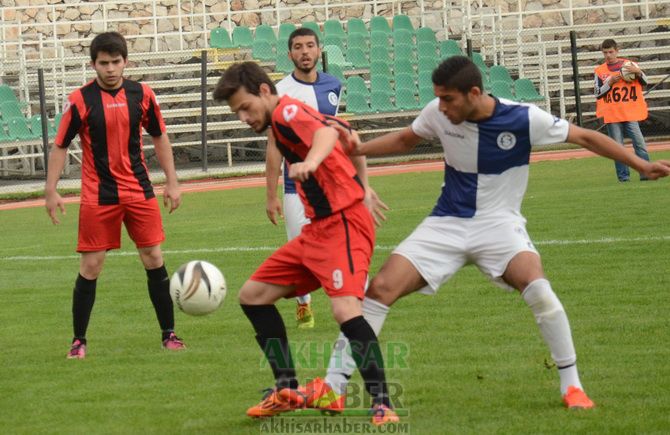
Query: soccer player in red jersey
x=333, y=251
x=108, y=114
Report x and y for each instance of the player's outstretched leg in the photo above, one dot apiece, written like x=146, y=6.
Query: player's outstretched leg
x=83, y=298
x=304, y=315
x=159, y=292
x=553, y=322
x=272, y=339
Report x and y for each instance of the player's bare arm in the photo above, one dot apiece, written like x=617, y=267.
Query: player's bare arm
x=273, y=161
x=605, y=146
x=53, y=200
x=371, y=200
x=172, y=193
x=323, y=142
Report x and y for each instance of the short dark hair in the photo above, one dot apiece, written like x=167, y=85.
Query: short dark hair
x=109, y=42
x=247, y=74
x=608, y=43
x=303, y=31
x=458, y=72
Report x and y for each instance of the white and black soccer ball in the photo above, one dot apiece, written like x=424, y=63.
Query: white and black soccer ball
x=198, y=288
x=626, y=74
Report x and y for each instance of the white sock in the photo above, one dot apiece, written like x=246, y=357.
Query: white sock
x=306, y=299
x=555, y=328
x=342, y=365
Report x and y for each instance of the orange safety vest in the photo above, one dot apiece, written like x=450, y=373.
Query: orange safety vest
x=623, y=102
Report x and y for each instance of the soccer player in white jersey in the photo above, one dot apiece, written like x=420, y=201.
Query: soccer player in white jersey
x=477, y=218
x=322, y=92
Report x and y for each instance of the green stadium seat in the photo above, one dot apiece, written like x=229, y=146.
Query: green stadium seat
x=282, y=63
x=263, y=50
x=405, y=99
x=525, y=91
x=426, y=95
x=4, y=136
x=334, y=40
x=381, y=102
x=336, y=70
x=380, y=54
x=426, y=79
x=357, y=103
x=404, y=51
x=403, y=66
x=334, y=27
x=356, y=85
x=36, y=126
x=334, y=55
x=427, y=64
x=379, y=39
x=486, y=82
x=425, y=34
x=356, y=25
x=381, y=84
x=405, y=81
x=9, y=110
x=380, y=24
x=6, y=94
x=357, y=58
x=498, y=73
x=219, y=38
x=358, y=40
x=285, y=30
x=502, y=90
x=314, y=26
x=403, y=36
x=242, y=37
x=53, y=125
x=380, y=68
x=18, y=129
x=479, y=61
x=450, y=48
x=426, y=49
x=265, y=33
x=402, y=22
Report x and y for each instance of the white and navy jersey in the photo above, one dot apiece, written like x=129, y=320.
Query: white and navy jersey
x=486, y=162
x=323, y=95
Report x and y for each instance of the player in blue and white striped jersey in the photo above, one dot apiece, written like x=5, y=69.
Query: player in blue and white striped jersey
x=322, y=92
x=477, y=219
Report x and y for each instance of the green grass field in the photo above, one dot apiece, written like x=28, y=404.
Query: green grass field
x=473, y=358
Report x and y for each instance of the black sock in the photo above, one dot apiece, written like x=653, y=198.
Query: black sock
x=368, y=356
x=83, y=298
x=271, y=337
x=159, y=292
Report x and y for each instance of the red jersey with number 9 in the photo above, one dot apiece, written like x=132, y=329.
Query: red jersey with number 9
x=334, y=186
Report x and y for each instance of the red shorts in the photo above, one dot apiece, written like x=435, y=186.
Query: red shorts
x=333, y=252
x=100, y=225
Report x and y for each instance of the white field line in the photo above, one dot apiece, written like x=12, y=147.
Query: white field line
x=606, y=240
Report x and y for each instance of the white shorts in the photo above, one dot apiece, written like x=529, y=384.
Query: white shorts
x=294, y=215
x=440, y=246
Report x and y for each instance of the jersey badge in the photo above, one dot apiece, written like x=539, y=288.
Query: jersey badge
x=332, y=98
x=506, y=140
x=289, y=112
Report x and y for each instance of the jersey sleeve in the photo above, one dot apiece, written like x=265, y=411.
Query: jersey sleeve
x=153, y=120
x=422, y=125
x=299, y=121
x=546, y=128
x=70, y=124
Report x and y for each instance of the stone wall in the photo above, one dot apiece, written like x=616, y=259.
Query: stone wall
x=74, y=26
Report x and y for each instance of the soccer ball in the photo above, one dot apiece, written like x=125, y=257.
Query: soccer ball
x=198, y=288
x=625, y=73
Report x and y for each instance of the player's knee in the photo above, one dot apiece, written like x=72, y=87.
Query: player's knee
x=541, y=299
x=382, y=290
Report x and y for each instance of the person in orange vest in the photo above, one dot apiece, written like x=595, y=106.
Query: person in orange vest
x=621, y=103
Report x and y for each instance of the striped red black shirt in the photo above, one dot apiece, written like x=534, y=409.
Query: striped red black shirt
x=334, y=186
x=109, y=127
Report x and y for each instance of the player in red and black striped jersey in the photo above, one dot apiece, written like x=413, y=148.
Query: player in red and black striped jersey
x=108, y=114
x=333, y=251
